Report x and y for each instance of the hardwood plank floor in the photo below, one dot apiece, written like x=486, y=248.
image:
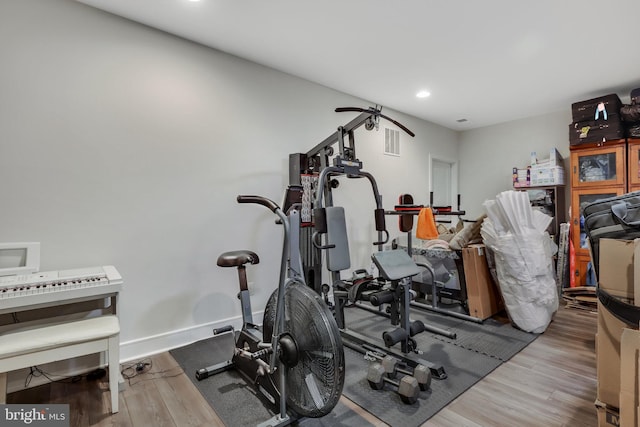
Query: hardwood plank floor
x=552, y=382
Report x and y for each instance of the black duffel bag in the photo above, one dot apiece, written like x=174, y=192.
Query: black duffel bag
x=613, y=218
x=633, y=131
x=630, y=113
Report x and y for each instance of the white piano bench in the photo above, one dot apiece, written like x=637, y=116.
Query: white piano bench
x=50, y=343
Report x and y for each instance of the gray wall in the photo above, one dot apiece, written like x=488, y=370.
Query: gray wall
x=123, y=145
x=487, y=155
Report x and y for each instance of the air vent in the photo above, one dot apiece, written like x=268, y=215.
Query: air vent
x=391, y=142
x=461, y=120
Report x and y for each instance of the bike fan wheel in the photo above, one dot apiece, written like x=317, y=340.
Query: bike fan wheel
x=315, y=373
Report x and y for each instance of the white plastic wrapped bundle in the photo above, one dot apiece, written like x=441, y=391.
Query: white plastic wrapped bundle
x=524, y=265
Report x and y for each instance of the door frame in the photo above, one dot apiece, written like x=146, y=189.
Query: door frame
x=454, y=177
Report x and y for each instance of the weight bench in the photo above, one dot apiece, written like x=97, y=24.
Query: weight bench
x=50, y=343
x=396, y=269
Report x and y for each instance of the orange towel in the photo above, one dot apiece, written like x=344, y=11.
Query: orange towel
x=426, y=225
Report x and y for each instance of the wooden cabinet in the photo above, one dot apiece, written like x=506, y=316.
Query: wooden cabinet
x=598, y=171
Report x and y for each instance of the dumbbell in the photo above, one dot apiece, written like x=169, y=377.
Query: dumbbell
x=407, y=387
x=390, y=364
x=421, y=373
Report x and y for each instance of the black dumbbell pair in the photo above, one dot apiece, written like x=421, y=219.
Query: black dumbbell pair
x=409, y=386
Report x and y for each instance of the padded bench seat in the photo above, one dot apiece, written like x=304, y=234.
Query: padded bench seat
x=27, y=347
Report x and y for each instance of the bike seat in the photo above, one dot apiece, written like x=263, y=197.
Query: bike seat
x=237, y=258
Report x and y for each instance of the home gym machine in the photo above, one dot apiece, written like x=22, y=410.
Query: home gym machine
x=326, y=231
x=296, y=359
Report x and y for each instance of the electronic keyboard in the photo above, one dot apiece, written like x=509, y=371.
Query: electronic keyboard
x=50, y=288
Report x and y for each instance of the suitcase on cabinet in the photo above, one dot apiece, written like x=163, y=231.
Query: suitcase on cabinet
x=596, y=131
x=602, y=108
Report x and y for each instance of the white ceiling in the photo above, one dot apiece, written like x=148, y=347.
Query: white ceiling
x=488, y=61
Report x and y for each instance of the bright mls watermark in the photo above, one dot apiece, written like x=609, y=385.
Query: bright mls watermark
x=34, y=415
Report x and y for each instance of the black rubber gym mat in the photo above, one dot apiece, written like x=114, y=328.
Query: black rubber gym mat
x=492, y=337
x=237, y=403
x=477, y=350
x=463, y=371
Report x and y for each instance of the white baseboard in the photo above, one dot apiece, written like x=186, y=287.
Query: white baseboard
x=147, y=346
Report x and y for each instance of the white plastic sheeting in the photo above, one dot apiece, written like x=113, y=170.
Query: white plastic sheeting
x=524, y=259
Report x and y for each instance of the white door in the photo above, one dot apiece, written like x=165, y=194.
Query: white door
x=441, y=183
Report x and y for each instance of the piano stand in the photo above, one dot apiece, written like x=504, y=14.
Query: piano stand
x=53, y=337
x=24, y=348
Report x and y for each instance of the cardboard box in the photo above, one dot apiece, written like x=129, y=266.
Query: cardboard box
x=483, y=296
x=617, y=277
x=554, y=159
x=617, y=267
x=608, y=356
x=547, y=175
x=521, y=177
x=607, y=415
x=629, y=350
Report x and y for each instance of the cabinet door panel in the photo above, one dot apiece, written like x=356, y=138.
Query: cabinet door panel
x=582, y=272
x=595, y=167
x=579, y=199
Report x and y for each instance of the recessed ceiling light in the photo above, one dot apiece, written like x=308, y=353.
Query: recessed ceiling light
x=423, y=94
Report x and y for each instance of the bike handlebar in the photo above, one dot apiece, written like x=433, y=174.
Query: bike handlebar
x=259, y=200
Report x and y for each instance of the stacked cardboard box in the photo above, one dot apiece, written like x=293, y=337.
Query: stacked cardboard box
x=549, y=171
x=629, y=347
x=521, y=177
x=616, y=361
x=554, y=159
x=547, y=175
x=607, y=415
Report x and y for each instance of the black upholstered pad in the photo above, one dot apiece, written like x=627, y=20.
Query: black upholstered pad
x=395, y=264
x=237, y=258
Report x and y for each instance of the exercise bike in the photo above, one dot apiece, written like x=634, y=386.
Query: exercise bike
x=296, y=359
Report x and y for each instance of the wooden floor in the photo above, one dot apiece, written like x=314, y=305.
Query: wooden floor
x=552, y=382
